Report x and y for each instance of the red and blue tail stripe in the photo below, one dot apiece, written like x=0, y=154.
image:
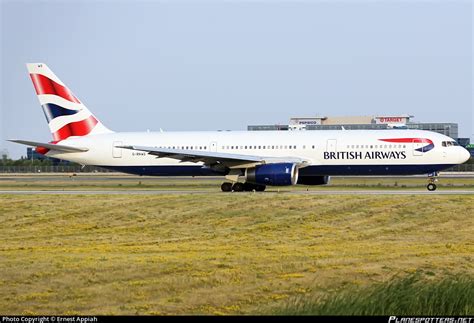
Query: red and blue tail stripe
x=78, y=128
x=44, y=85
x=52, y=111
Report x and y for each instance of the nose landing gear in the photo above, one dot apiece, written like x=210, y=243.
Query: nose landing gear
x=431, y=181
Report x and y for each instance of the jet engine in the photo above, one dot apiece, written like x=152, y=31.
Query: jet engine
x=278, y=174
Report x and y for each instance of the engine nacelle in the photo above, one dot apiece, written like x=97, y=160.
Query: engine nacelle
x=281, y=174
x=313, y=180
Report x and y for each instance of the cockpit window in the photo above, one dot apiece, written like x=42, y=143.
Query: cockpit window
x=449, y=143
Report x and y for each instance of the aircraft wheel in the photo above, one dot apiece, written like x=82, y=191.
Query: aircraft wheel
x=238, y=187
x=226, y=187
x=249, y=187
x=431, y=187
x=260, y=188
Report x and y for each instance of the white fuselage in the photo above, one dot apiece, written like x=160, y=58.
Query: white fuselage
x=357, y=152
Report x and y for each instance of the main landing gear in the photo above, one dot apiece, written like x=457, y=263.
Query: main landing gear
x=431, y=181
x=242, y=187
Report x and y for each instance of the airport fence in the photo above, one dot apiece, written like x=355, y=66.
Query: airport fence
x=53, y=169
x=93, y=169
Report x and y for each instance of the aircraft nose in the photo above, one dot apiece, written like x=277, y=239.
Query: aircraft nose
x=465, y=155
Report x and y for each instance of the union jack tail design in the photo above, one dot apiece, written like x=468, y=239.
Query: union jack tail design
x=65, y=114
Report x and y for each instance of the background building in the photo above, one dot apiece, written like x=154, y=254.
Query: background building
x=378, y=122
x=4, y=154
x=31, y=154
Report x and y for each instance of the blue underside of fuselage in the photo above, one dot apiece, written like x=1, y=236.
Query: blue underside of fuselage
x=332, y=170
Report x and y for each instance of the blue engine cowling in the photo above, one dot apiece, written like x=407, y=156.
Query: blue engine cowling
x=281, y=174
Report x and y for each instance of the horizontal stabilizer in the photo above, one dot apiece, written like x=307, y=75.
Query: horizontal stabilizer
x=61, y=148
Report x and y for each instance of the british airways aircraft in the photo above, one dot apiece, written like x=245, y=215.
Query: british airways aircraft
x=249, y=160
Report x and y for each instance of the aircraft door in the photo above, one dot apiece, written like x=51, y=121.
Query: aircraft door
x=213, y=146
x=117, y=152
x=417, y=147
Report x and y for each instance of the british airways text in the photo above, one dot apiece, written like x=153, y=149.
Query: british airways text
x=367, y=155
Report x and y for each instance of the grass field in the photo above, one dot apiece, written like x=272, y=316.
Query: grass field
x=229, y=253
x=410, y=295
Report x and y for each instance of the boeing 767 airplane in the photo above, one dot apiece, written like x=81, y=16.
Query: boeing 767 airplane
x=249, y=160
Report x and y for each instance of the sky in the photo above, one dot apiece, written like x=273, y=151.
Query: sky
x=212, y=65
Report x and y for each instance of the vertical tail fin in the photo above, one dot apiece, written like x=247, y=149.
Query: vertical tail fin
x=65, y=114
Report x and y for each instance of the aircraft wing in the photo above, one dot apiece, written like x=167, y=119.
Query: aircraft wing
x=61, y=148
x=211, y=158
